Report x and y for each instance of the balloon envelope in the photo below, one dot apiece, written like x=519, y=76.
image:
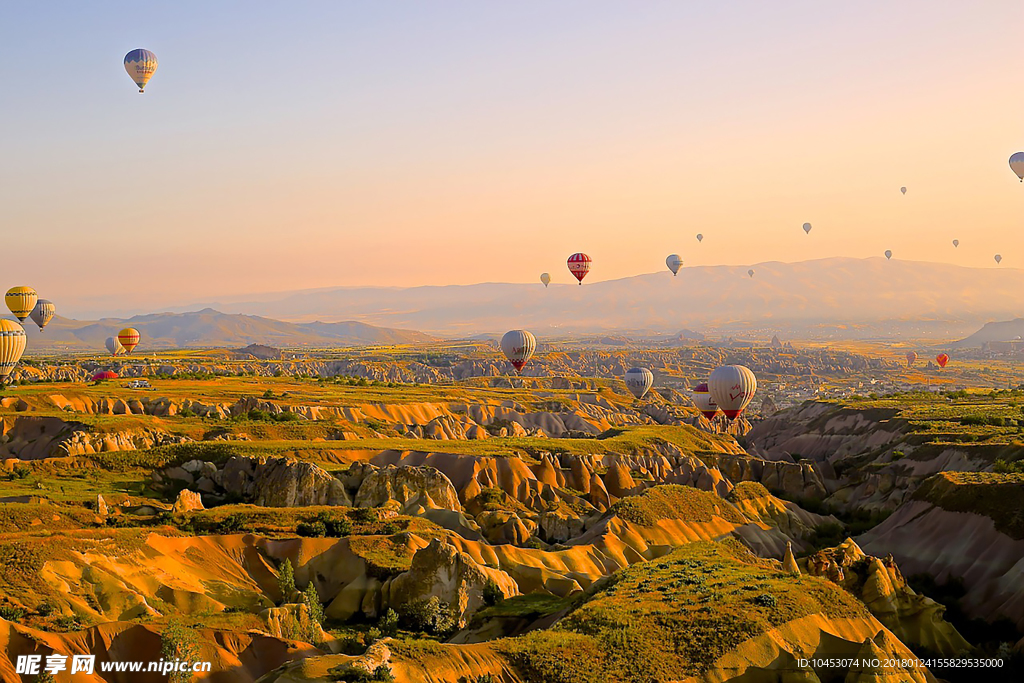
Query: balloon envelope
x=903, y=190
x=579, y=265
x=140, y=65
x=43, y=313
x=807, y=228
x=518, y=346
x=674, y=262
x=942, y=359
x=129, y=338
x=998, y=258
x=956, y=243
x=12, y=345
x=700, y=237
x=104, y=374
x=911, y=357
x=21, y=301
x=1017, y=164
x=888, y=253
x=750, y=272
x=701, y=396
x=732, y=387
x=545, y=278
x=114, y=346
x=639, y=381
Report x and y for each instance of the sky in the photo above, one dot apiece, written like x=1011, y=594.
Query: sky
x=286, y=146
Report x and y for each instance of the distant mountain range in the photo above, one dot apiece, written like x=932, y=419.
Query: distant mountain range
x=210, y=328
x=1009, y=330
x=842, y=296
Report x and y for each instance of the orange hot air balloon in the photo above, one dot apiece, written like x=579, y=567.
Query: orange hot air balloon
x=911, y=358
x=942, y=359
x=129, y=338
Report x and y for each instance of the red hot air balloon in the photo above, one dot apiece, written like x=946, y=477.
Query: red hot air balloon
x=701, y=396
x=911, y=357
x=942, y=359
x=579, y=265
x=104, y=375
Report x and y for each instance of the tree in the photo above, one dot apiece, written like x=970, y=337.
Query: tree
x=286, y=580
x=179, y=642
x=312, y=601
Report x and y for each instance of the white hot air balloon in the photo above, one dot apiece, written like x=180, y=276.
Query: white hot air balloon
x=674, y=262
x=545, y=278
x=750, y=272
x=998, y=258
x=700, y=237
x=903, y=190
x=1017, y=164
x=114, y=346
x=732, y=387
x=701, y=397
x=888, y=254
x=518, y=346
x=807, y=228
x=956, y=243
x=639, y=381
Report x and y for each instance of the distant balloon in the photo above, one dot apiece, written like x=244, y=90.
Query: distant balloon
x=998, y=258
x=807, y=228
x=674, y=262
x=888, y=254
x=129, y=338
x=518, y=346
x=911, y=357
x=956, y=243
x=701, y=396
x=732, y=387
x=104, y=375
x=1017, y=165
x=140, y=65
x=750, y=272
x=579, y=265
x=903, y=190
x=21, y=301
x=545, y=278
x=639, y=381
x=942, y=359
x=700, y=237
x=42, y=313
x=114, y=346
x=12, y=345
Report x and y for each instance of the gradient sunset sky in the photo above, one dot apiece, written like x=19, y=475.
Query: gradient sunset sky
x=285, y=146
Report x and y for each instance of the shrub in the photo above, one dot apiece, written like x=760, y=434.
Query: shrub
x=22, y=471
x=178, y=641
x=766, y=600
x=493, y=593
x=430, y=616
x=313, y=529
x=388, y=623
x=373, y=634
x=11, y=613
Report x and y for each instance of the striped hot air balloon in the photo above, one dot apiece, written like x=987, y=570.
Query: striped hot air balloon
x=639, y=381
x=732, y=387
x=911, y=358
x=104, y=375
x=140, y=65
x=12, y=345
x=518, y=346
x=114, y=346
x=942, y=359
x=579, y=265
x=129, y=338
x=701, y=396
x=43, y=313
x=21, y=301
x=674, y=262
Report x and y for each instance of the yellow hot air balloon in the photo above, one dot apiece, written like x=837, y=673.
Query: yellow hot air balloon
x=21, y=301
x=12, y=345
x=129, y=338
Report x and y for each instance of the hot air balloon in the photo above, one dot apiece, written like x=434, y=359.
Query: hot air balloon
x=903, y=190
x=545, y=278
x=1017, y=164
x=21, y=301
x=911, y=358
x=140, y=65
x=750, y=272
x=579, y=265
x=674, y=262
x=998, y=258
x=639, y=381
x=518, y=346
x=700, y=237
x=104, y=375
x=732, y=387
x=42, y=313
x=807, y=228
x=129, y=338
x=114, y=346
x=12, y=345
x=888, y=254
x=942, y=359
x=956, y=243
x=701, y=396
